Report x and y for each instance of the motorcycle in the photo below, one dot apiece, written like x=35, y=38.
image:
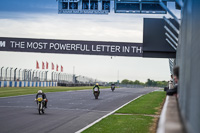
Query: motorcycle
x=112, y=87
x=96, y=93
x=41, y=102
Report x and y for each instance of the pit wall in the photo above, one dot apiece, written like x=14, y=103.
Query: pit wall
x=26, y=84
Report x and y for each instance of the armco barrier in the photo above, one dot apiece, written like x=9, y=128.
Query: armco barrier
x=36, y=84
x=10, y=84
x=20, y=84
x=26, y=84
x=33, y=84
x=5, y=84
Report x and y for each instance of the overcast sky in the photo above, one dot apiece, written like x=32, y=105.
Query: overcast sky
x=40, y=19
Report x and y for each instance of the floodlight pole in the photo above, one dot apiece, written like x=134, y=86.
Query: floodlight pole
x=1, y=72
x=19, y=74
x=6, y=73
x=24, y=74
x=29, y=75
x=42, y=75
x=58, y=76
x=55, y=76
x=39, y=75
x=10, y=73
x=33, y=75
x=36, y=72
x=15, y=74
x=52, y=76
x=46, y=72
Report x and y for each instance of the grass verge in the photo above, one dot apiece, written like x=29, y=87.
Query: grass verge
x=147, y=104
x=15, y=91
x=133, y=118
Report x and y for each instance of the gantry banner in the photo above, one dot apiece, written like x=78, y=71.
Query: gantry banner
x=71, y=47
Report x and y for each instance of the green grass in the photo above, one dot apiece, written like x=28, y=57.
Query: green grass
x=123, y=123
x=147, y=104
x=15, y=91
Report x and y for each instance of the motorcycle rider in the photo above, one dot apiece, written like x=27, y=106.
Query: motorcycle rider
x=40, y=93
x=112, y=86
x=96, y=88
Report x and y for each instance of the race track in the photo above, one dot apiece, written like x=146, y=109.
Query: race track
x=67, y=112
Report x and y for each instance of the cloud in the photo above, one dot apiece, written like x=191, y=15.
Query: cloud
x=53, y=26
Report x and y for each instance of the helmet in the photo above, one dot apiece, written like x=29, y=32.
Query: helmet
x=40, y=91
x=97, y=84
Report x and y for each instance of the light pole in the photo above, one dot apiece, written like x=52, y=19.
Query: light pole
x=6, y=73
x=19, y=74
x=42, y=75
x=39, y=75
x=46, y=72
x=1, y=72
x=52, y=76
x=24, y=73
x=55, y=76
x=36, y=73
x=58, y=77
x=33, y=75
x=10, y=73
x=29, y=75
x=15, y=74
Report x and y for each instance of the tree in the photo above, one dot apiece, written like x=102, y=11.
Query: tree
x=131, y=82
x=125, y=81
x=149, y=82
x=137, y=82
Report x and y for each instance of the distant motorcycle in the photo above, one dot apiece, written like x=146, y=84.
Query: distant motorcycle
x=40, y=102
x=96, y=93
x=113, y=87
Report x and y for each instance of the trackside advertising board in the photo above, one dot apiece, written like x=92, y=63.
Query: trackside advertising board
x=71, y=47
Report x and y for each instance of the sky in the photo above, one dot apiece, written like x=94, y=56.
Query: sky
x=40, y=19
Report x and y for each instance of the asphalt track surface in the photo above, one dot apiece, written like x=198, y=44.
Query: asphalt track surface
x=67, y=112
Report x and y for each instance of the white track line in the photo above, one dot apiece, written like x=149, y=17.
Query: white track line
x=81, y=130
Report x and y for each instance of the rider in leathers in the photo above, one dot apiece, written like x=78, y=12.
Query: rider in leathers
x=43, y=96
x=96, y=86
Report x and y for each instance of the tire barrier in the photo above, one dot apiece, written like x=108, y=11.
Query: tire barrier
x=27, y=84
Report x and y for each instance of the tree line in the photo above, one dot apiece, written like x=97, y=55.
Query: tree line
x=149, y=82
